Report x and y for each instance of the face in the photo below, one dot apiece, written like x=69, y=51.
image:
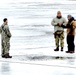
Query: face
x=6, y=22
x=68, y=18
x=58, y=14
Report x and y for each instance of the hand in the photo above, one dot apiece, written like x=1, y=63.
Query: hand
x=59, y=24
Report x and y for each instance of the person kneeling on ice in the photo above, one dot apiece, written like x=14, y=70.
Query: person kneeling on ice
x=71, y=25
x=59, y=31
x=5, y=39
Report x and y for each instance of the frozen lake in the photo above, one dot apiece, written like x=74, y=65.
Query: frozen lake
x=30, y=24
x=32, y=34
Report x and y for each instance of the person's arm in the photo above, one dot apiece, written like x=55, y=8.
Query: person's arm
x=64, y=22
x=7, y=31
x=0, y=29
x=74, y=24
x=66, y=26
x=54, y=23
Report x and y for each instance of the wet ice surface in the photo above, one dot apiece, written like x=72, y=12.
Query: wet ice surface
x=32, y=42
x=9, y=69
x=15, y=66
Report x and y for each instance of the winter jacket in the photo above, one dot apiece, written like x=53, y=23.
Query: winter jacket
x=71, y=25
x=57, y=20
x=5, y=32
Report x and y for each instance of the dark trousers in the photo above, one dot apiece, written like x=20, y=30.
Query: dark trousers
x=70, y=42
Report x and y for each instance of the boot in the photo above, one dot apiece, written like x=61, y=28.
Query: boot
x=3, y=56
x=67, y=51
x=72, y=52
x=61, y=48
x=7, y=56
x=57, y=49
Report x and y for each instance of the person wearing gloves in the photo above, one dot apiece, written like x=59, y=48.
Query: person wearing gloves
x=71, y=25
x=58, y=30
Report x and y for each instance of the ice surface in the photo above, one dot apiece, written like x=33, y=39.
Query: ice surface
x=32, y=42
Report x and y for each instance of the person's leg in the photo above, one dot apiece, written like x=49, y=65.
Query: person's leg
x=57, y=43
x=68, y=43
x=62, y=41
x=2, y=48
x=7, y=50
x=72, y=46
x=73, y=49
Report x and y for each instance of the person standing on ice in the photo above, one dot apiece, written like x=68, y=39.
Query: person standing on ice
x=59, y=31
x=71, y=25
x=5, y=39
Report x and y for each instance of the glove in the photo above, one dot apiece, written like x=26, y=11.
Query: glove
x=59, y=24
